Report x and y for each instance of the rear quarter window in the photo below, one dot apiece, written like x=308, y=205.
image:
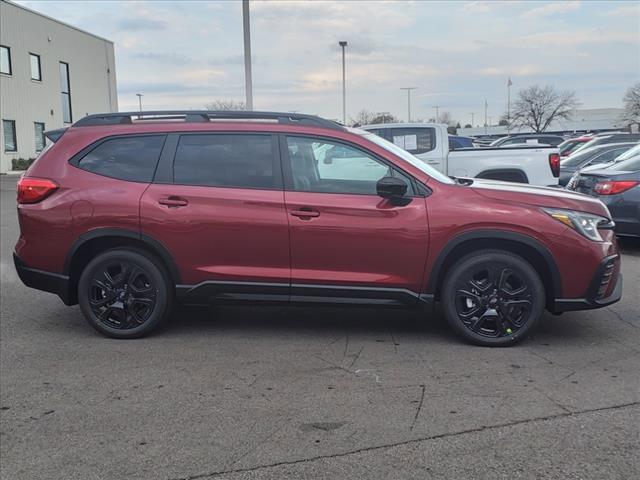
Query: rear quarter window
x=126, y=158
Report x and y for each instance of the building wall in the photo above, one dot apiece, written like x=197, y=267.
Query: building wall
x=581, y=120
x=91, y=71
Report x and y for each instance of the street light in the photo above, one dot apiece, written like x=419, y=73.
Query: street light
x=343, y=45
x=248, y=83
x=437, y=107
x=139, y=95
x=408, y=89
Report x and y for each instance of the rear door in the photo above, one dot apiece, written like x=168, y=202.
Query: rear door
x=217, y=205
x=346, y=241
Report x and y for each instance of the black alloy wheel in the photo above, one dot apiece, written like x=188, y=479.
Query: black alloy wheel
x=493, y=297
x=125, y=293
x=121, y=295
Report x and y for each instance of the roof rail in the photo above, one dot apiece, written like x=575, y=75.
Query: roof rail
x=205, y=116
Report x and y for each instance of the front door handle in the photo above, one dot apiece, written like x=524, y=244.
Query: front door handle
x=305, y=213
x=173, y=201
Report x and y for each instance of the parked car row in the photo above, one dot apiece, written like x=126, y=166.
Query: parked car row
x=608, y=167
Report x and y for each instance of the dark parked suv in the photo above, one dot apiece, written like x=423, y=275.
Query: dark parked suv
x=129, y=213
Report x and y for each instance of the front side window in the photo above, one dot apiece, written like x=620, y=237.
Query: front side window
x=36, y=71
x=39, y=136
x=225, y=160
x=5, y=60
x=9, y=134
x=326, y=167
x=127, y=158
x=414, y=140
x=65, y=90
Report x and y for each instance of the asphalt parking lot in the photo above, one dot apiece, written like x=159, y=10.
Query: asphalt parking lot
x=242, y=392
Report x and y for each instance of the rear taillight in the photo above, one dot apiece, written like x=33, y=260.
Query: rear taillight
x=613, y=187
x=554, y=163
x=34, y=190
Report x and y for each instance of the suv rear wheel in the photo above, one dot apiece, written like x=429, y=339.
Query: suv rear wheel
x=124, y=293
x=493, y=298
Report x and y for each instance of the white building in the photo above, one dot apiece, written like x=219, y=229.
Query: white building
x=581, y=120
x=51, y=74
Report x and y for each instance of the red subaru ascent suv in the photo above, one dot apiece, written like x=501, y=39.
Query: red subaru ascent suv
x=129, y=213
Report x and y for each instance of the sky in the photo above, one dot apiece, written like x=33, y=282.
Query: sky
x=185, y=54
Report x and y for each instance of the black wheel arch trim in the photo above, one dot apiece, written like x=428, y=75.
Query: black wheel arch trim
x=154, y=245
x=436, y=271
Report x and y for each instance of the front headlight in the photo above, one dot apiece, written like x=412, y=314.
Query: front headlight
x=586, y=224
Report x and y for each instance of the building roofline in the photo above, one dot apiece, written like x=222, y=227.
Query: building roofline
x=35, y=12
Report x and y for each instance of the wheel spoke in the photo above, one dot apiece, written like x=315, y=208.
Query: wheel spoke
x=99, y=303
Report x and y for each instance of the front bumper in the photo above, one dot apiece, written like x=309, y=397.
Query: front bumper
x=45, y=281
x=605, y=289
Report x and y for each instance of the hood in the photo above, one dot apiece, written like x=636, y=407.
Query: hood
x=538, y=196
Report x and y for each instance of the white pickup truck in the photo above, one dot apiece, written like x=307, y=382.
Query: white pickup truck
x=537, y=165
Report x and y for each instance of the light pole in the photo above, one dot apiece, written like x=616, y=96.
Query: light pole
x=408, y=89
x=509, y=83
x=343, y=45
x=486, y=105
x=246, y=27
x=139, y=95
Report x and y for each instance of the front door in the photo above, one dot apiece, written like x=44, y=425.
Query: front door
x=223, y=218
x=347, y=242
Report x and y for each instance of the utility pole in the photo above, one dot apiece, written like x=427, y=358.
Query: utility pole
x=343, y=44
x=248, y=81
x=472, y=117
x=437, y=112
x=509, y=83
x=486, y=105
x=139, y=95
x=408, y=89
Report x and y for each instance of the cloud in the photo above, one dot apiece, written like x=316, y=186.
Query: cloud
x=140, y=24
x=631, y=10
x=552, y=9
x=169, y=58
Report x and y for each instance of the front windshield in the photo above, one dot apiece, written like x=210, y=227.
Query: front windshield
x=406, y=156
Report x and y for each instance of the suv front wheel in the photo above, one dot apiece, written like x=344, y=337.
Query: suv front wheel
x=493, y=298
x=124, y=293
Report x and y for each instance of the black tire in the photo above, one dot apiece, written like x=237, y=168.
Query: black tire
x=493, y=298
x=125, y=293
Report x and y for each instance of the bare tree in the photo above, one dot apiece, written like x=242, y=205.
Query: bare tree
x=631, y=101
x=536, y=107
x=363, y=117
x=384, y=117
x=225, y=105
x=445, y=117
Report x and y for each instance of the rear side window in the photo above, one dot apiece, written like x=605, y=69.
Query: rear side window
x=414, y=140
x=225, y=160
x=126, y=158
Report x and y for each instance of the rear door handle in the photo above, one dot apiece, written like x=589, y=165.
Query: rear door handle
x=305, y=213
x=173, y=201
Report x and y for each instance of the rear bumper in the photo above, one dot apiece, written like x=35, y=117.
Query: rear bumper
x=41, y=280
x=594, y=298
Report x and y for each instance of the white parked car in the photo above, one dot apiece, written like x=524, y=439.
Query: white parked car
x=534, y=164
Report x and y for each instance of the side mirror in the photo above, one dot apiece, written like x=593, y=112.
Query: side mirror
x=393, y=189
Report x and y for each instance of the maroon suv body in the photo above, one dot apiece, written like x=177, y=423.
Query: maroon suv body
x=127, y=215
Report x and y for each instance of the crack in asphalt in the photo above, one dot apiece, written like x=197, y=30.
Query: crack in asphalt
x=411, y=441
x=415, y=418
